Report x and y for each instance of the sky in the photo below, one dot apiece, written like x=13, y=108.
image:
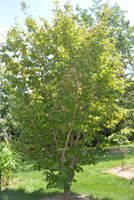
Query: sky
x=11, y=8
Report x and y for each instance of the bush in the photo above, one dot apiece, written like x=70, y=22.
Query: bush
x=7, y=163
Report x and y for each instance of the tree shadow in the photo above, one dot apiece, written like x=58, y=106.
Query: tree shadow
x=21, y=194
x=112, y=156
x=89, y=197
x=96, y=198
x=116, y=154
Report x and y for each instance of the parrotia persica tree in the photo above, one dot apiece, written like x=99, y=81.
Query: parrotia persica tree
x=64, y=83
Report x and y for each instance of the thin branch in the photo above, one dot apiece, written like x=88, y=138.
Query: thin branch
x=35, y=155
x=83, y=106
x=37, y=136
x=63, y=153
x=61, y=110
x=47, y=153
x=77, y=87
x=52, y=142
x=55, y=137
x=51, y=171
x=72, y=139
x=77, y=139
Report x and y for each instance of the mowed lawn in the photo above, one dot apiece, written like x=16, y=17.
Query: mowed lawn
x=92, y=181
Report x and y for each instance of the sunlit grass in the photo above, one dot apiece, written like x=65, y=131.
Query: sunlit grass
x=100, y=184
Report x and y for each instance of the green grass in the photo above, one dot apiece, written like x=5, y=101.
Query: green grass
x=99, y=185
x=105, y=185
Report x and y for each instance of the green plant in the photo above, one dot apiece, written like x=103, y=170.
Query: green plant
x=122, y=140
x=64, y=83
x=127, y=151
x=7, y=163
x=93, y=181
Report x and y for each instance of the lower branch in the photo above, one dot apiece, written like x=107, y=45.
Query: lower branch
x=63, y=153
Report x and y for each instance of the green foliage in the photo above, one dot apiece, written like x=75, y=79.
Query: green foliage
x=122, y=137
x=8, y=127
x=122, y=35
x=119, y=30
x=64, y=81
x=7, y=163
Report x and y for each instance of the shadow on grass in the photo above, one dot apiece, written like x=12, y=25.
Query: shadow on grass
x=90, y=197
x=21, y=194
x=96, y=198
x=112, y=156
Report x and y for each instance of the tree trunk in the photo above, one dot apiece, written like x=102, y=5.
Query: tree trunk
x=67, y=193
x=98, y=141
x=0, y=181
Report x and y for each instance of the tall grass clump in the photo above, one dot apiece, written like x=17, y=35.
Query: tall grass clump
x=8, y=162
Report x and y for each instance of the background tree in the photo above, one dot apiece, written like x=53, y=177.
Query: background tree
x=121, y=31
x=8, y=127
x=64, y=84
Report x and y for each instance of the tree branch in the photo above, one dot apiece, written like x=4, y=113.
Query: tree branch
x=77, y=139
x=63, y=153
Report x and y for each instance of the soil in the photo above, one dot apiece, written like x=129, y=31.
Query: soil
x=72, y=197
x=127, y=171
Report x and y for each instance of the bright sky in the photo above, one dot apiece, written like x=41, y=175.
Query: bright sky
x=10, y=8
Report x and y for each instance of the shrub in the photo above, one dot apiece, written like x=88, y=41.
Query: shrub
x=7, y=163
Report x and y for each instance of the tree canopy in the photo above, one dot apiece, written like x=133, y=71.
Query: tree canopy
x=8, y=127
x=121, y=30
x=65, y=81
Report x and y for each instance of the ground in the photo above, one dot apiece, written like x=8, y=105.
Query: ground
x=127, y=172
x=73, y=197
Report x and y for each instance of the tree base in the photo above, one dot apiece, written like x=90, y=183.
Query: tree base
x=66, y=194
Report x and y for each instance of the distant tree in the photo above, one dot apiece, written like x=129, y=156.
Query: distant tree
x=8, y=127
x=64, y=84
x=121, y=31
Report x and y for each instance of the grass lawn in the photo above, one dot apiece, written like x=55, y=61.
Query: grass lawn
x=100, y=185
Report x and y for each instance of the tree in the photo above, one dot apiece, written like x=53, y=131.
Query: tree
x=64, y=84
x=8, y=127
x=119, y=29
